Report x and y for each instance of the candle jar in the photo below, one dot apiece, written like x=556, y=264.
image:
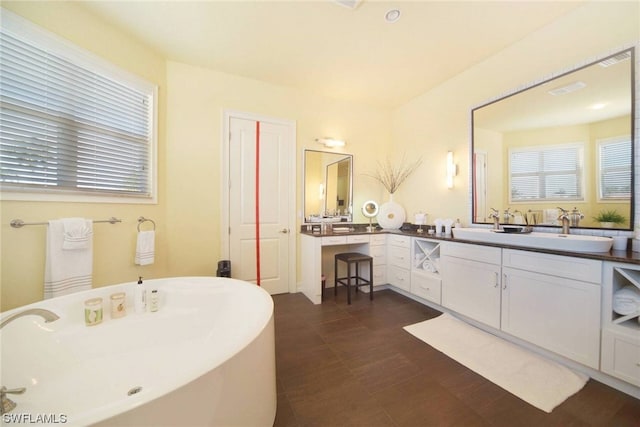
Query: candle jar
x=118, y=305
x=93, y=311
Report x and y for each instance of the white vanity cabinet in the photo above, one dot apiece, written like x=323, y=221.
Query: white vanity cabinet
x=620, y=333
x=378, y=250
x=471, y=281
x=553, y=301
x=399, y=261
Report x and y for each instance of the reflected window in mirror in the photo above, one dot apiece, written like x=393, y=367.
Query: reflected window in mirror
x=328, y=186
x=565, y=142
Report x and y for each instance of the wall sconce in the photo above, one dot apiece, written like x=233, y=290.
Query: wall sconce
x=331, y=142
x=452, y=170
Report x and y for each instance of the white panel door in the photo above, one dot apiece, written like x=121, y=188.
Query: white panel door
x=265, y=212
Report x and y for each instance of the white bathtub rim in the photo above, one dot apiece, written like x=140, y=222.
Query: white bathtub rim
x=163, y=385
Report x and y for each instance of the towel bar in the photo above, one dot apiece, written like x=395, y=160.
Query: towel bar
x=18, y=223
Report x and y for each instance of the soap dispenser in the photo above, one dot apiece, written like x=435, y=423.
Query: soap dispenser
x=140, y=297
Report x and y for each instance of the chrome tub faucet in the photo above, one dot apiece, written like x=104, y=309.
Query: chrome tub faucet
x=47, y=315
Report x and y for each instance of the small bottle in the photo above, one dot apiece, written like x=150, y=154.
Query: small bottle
x=118, y=305
x=154, y=301
x=140, y=297
x=457, y=224
x=93, y=311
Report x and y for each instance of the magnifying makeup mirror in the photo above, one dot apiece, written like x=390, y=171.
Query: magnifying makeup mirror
x=370, y=210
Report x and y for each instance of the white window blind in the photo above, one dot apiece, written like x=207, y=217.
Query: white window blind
x=548, y=173
x=614, y=156
x=70, y=126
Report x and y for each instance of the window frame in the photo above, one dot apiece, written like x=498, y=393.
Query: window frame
x=599, y=144
x=25, y=30
x=580, y=178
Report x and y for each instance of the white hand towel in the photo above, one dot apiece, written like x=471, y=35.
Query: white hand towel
x=77, y=233
x=145, y=247
x=626, y=301
x=66, y=271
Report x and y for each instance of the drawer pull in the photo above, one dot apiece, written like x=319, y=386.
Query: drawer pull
x=504, y=285
x=497, y=280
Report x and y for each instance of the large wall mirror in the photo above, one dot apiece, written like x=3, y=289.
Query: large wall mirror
x=328, y=186
x=564, y=143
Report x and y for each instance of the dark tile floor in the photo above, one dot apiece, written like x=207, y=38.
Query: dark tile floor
x=340, y=365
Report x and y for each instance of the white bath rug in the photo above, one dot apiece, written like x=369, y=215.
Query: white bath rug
x=540, y=382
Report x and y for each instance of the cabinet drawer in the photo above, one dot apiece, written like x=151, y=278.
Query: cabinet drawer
x=587, y=270
x=400, y=241
x=334, y=240
x=379, y=275
x=400, y=257
x=621, y=356
x=486, y=254
x=379, y=254
x=358, y=238
x=378, y=239
x=399, y=278
x=426, y=286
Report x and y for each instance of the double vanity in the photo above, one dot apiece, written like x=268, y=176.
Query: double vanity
x=555, y=301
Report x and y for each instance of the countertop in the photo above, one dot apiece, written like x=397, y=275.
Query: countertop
x=615, y=256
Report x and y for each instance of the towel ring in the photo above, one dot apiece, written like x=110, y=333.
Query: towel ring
x=143, y=219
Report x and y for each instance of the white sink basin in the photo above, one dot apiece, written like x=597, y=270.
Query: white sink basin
x=555, y=241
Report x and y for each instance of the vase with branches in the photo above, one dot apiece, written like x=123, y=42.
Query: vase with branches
x=391, y=214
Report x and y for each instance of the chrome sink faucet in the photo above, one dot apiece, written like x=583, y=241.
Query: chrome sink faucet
x=507, y=216
x=495, y=215
x=566, y=221
x=47, y=315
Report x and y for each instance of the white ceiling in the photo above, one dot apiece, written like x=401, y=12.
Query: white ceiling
x=320, y=46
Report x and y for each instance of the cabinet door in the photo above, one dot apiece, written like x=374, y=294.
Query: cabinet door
x=559, y=314
x=472, y=289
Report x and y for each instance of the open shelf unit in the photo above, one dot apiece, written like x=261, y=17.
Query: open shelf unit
x=622, y=277
x=426, y=256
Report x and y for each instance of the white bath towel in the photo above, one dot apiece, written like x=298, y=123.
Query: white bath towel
x=77, y=233
x=67, y=271
x=145, y=247
x=626, y=301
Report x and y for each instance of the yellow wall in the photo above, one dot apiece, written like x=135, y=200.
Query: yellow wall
x=439, y=120
x=197, y=99
x=22, y=256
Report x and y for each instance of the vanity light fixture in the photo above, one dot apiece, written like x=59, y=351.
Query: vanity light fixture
x=331, y=142
x=451, y=169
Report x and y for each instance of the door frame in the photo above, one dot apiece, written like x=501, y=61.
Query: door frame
x=225, y=241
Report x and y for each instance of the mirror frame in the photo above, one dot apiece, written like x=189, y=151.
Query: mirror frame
x=632, y=113
x=304, y=182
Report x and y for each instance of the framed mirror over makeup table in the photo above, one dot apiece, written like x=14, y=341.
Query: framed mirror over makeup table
x=566, y=142
x=328, y=186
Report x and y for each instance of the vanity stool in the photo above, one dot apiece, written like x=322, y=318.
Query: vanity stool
x=351, y=258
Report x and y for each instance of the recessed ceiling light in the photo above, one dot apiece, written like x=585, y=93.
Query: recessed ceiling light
x=392, y=16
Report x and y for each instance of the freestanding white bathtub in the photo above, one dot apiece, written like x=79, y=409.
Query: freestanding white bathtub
x=206, y=358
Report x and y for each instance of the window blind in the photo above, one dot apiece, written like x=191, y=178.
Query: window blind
x=546, y=173
x=66, y=127
x=615, y=169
